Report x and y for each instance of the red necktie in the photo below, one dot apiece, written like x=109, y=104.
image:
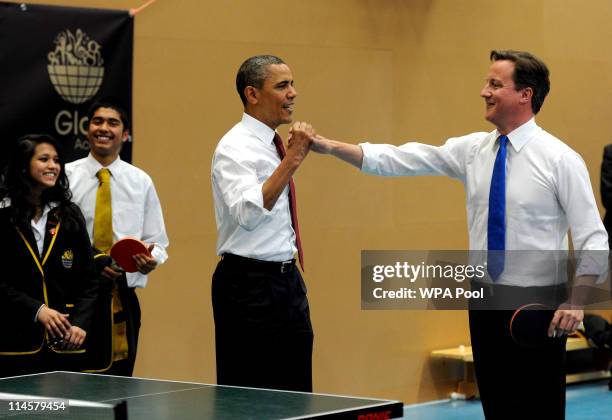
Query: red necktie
x=292, y=205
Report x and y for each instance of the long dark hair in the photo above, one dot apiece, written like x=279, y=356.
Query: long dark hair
x=17, y=184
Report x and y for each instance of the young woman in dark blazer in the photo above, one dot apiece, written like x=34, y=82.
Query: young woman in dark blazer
x=47, y=278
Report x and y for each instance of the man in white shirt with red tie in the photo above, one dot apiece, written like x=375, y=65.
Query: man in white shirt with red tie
x=263, y=333
x=543, y=191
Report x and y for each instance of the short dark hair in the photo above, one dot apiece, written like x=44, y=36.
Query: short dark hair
x=529, y=71
x=112, y=104
x=253, y=72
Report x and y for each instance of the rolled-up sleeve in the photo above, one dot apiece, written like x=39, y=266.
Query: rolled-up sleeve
x=237, y=184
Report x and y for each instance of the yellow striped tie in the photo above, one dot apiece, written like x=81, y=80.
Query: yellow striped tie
x=103, y=240
x=103, y=219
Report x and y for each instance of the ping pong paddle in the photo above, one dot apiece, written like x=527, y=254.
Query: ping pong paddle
x=529, y=325
x=124, y=250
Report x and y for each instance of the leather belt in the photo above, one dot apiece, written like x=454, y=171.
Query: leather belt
x=272, y=266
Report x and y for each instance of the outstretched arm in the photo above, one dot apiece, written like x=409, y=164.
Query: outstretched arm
x=350, y=153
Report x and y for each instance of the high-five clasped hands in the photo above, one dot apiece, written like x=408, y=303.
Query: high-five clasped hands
x=301, y=137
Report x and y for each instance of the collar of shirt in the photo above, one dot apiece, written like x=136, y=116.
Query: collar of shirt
x=259, y=129
x=93, y=166
x=38, y=228
x=521, y=135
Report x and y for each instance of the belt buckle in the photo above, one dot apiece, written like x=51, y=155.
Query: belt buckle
x=286, y=266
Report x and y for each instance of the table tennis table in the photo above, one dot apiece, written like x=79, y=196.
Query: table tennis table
x=91, y=396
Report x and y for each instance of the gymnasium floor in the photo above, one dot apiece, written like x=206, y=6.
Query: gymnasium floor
x=586, y=401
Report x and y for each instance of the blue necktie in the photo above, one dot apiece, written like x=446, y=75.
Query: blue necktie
x=496, y=232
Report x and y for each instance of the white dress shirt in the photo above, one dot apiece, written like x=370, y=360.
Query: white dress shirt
x=135, y=205
x=548, y=190
x=243, y=160
x=38, y=228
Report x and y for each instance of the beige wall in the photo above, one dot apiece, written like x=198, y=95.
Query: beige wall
x=389, y=70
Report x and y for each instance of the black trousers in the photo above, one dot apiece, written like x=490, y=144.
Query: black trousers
x=516, y=382
x=263, y=333
x=131, y=310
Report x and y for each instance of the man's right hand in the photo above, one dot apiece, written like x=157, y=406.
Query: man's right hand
x=56, y=323
x=111, y=273
x=301, y=135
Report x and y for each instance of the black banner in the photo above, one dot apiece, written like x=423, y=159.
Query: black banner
x=54, y=61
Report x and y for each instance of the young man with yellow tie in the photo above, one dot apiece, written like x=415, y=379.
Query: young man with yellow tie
x=118, y=200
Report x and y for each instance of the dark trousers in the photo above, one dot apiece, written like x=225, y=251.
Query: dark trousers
x=131, y=314
x=263, y=333
x=516, y=382
x=99, y=340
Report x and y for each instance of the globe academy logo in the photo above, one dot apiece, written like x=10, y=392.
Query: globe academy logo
x=76, y=71
x=76, y=66
x=67, y=259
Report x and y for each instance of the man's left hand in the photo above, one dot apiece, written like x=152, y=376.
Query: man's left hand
x=145, y=263
x=565, y=320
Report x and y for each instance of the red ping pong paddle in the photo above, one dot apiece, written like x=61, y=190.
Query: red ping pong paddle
x=529, y=325
x=124, y=250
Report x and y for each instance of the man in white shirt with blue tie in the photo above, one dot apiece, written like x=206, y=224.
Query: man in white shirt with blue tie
x=135, y=212
x=543, y=191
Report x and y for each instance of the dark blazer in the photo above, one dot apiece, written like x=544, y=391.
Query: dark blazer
x=63, y=278
x=606, y=189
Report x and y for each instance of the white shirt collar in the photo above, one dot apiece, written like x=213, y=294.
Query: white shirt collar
x=48, y=207
x=259, y=129
x=520, y=135
x=93, y=166
x=38, y=228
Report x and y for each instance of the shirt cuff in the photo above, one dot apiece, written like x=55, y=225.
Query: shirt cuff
x=251, y=211
x=38, y=311
x=255, y=196
x=368, y=164
x=159, y=254
x=593, y=263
